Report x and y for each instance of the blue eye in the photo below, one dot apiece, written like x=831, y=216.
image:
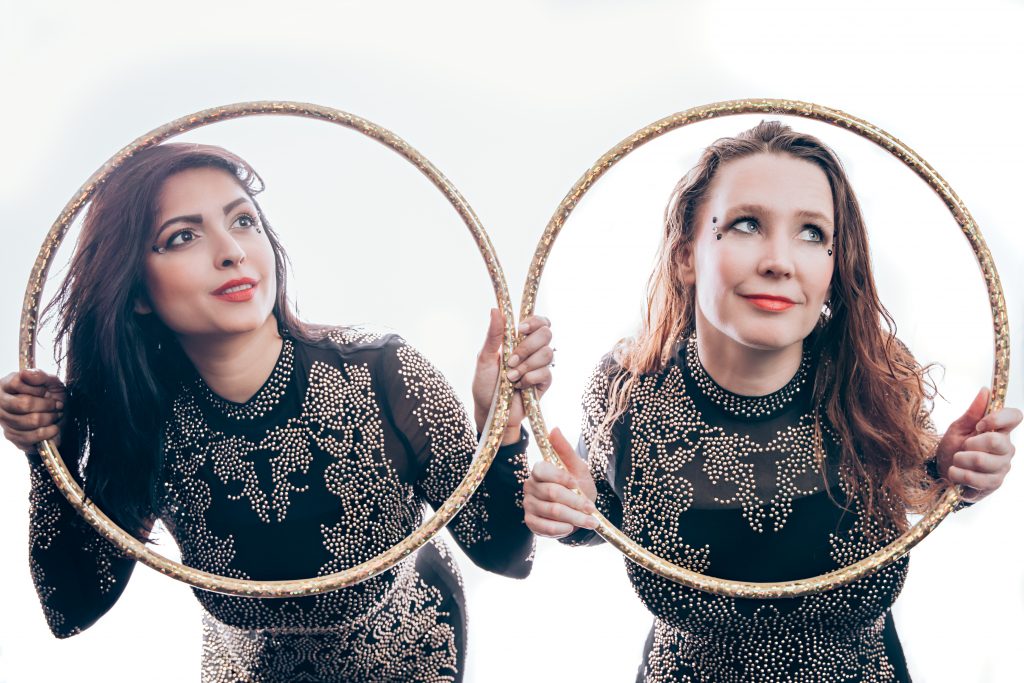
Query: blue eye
x=812, y=233
x=747, y=226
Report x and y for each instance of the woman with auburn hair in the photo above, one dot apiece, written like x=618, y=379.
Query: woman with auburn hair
x=764, y=425
x=269, y=448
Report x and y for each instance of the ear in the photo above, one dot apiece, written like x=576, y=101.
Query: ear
x=687, y=273
x=142, y=306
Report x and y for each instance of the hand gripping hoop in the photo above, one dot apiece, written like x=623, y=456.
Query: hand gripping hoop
x=895, y=550
x=493, y=429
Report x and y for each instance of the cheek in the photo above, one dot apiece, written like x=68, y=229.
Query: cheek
x=819, y=277
x=722, y=265
x=172, y=290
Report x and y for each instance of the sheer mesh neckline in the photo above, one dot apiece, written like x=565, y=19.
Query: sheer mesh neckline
x=268, y=395
x=736, y=404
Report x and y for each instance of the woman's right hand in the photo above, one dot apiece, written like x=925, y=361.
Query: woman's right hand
x=552, y=507
x=31, y=408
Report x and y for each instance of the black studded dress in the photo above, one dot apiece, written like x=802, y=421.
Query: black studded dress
x=328, y=465
x=735, y=487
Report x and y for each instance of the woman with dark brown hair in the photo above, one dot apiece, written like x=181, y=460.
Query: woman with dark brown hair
x=764, y=425
x=270, y=449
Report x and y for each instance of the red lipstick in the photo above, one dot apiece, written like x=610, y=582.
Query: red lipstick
x=770, y=302
x=242, y=289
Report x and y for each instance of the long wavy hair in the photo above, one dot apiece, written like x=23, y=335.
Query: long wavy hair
x=122, y=368
x=870, y=388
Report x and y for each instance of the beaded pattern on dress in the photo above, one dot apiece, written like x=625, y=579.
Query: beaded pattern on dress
x=358, y=633
x=745, y=406
x=834, y=636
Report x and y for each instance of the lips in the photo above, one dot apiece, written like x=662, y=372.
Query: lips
x=242, y=289
x=770, y=302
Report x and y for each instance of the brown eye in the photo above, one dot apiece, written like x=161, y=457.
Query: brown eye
x=245, y=221
x=181, y=238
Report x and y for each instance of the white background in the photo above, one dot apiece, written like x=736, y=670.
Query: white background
x=513, y=106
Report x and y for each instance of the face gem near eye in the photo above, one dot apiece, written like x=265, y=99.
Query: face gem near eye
x=761, y=283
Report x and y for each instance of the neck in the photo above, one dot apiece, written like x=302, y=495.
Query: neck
x=741, y=369
x=235, y=366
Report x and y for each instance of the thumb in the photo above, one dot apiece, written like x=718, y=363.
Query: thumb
x=495, y=334
x=967, y=422
x=577, y=467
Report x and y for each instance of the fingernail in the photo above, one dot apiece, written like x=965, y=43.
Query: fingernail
x=513, y=375
x=591, y=508
x=514, y=360
x=60, y=405
x=591, y=523
x=978, y=428
x=524, y=327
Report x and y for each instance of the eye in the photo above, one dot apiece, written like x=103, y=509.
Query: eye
x=812, y=233
x=181, y=238
x=244, y=221
x=747, y=226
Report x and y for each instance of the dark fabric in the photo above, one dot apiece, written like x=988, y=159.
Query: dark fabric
x=744, y=488
x=329, y=464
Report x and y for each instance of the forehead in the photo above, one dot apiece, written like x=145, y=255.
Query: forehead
x=779, y=181
x=192, y=190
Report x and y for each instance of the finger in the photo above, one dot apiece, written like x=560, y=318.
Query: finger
x=16, y=384
x=980, y=462
x=545, y=472
x=38, y=378
x=1005, y=420
x=538, y=359
x=995, y=443
x=530, y=344
x=556, y=493
x=556, y=512
x=576, y=466
x=547, y=528
x=975, y=480
x=25, y=404
x=30, y=421
x=27, y=440
x=495, y=334
x=541, y=379
x=969, y=420
x=533, y=323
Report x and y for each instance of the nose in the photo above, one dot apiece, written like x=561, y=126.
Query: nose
x=229, y=252
x=777, y=259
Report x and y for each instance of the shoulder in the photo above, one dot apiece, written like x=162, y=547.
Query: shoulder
x=599, y=383
x=354, y=344
x=386, y=354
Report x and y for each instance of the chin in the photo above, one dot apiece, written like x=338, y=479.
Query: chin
x=769, y=337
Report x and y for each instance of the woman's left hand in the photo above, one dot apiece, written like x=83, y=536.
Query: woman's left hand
x=975, y=451
x=528, y=366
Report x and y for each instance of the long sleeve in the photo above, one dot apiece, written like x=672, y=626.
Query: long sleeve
x=426, y=411
x=597, y=447
x=77, y=573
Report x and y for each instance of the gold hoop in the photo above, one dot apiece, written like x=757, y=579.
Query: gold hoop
x=493, y=429
x=1000, y=373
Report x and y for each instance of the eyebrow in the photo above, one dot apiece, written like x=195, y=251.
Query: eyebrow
x=758, y=209
x=197, y=218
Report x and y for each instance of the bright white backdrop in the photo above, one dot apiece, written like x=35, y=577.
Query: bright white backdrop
x=513, y=107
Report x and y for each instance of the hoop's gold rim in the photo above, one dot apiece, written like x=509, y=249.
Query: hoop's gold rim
x=493, y=430
x=1000, y=321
